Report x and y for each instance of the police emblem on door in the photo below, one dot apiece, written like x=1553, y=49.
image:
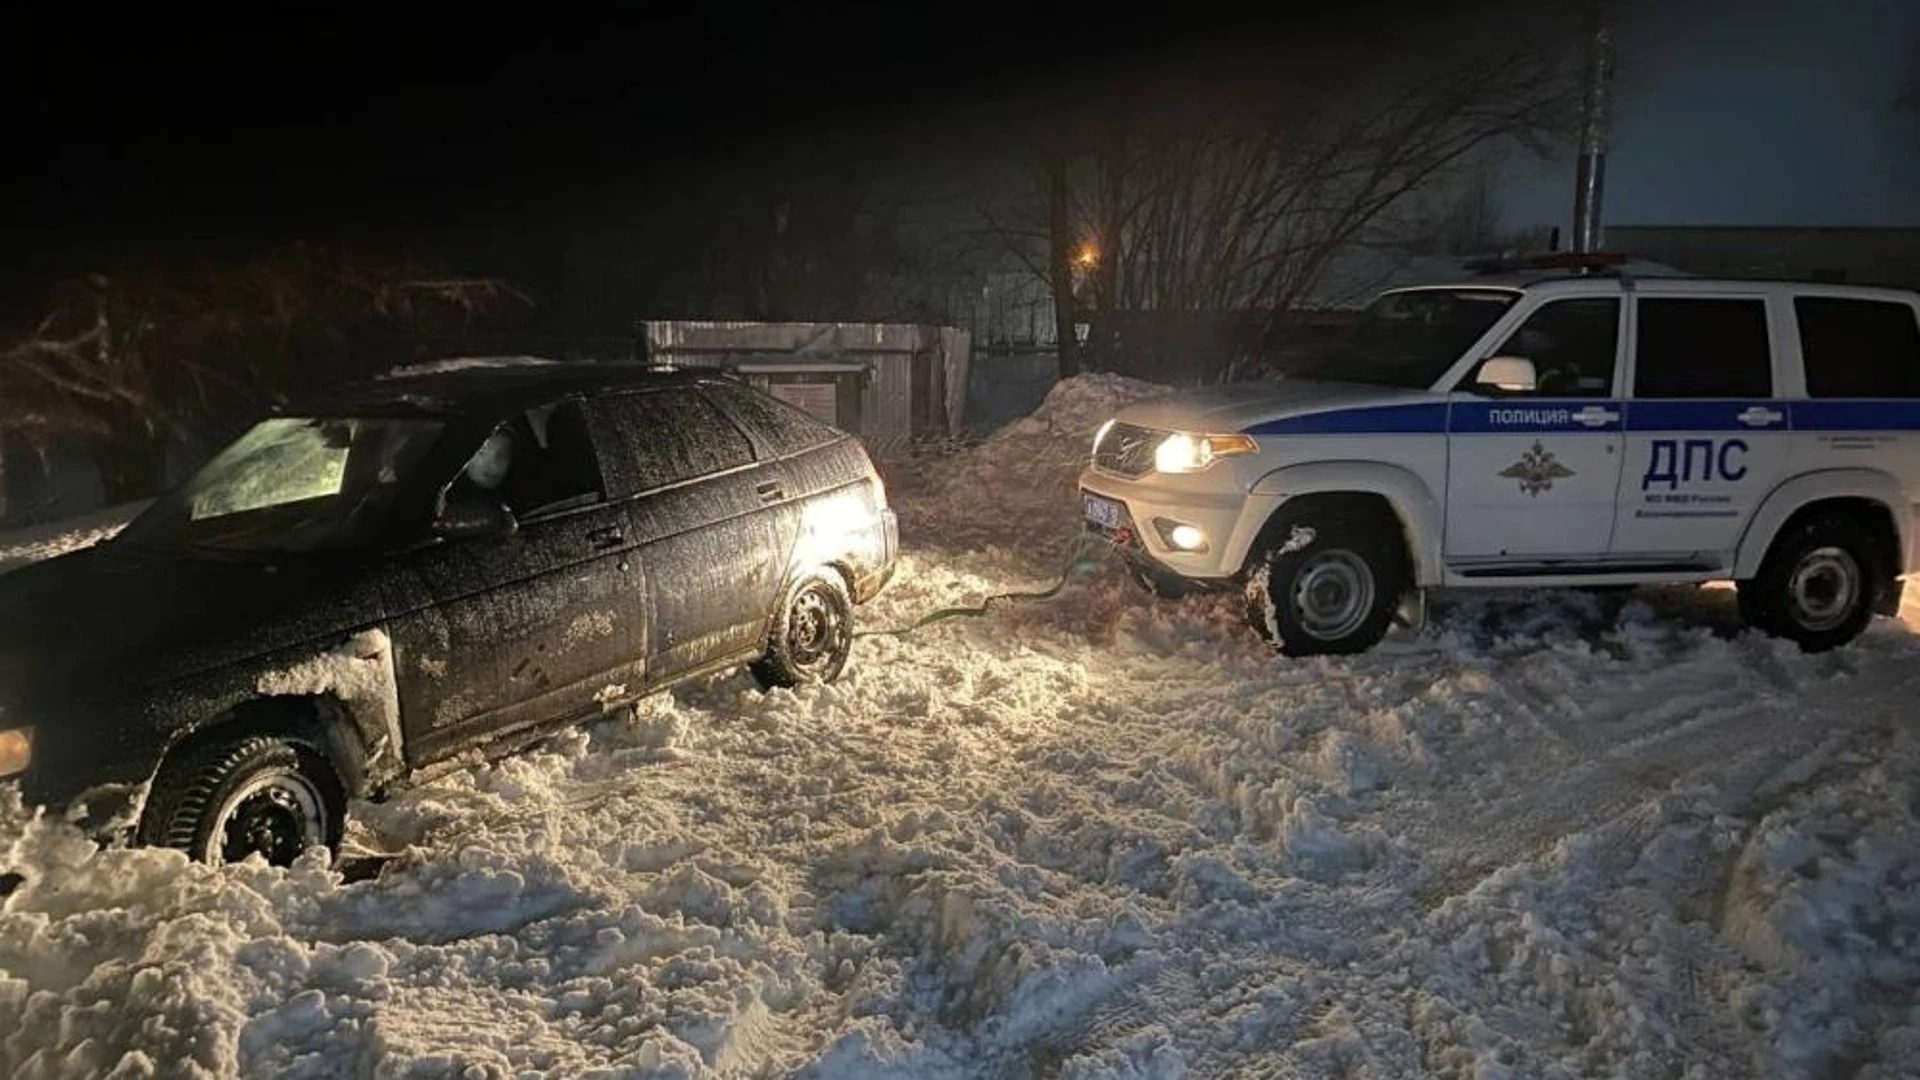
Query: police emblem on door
x=1536, y=470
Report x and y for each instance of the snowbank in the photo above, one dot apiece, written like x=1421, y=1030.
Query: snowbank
x=1551, y=836
x=1018, y=485
x=1076, y=407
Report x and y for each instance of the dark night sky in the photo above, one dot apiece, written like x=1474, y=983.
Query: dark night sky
x=324, y=121
x=173, y=131
x=200, y=128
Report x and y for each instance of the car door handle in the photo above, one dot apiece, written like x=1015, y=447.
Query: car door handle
x=1595, y=416
x=1760, y=416
x=769, y=491
x=602, y=539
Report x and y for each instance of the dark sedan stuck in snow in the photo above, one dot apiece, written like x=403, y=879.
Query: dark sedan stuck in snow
x=370, y=587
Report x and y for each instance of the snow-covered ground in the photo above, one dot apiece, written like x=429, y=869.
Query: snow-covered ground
x=1549, y=836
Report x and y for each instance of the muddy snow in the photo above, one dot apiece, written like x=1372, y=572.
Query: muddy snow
x=1551, y=835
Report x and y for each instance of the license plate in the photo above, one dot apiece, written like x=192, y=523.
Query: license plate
x=1104, y=512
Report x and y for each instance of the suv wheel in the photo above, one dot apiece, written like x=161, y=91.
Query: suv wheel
x=812, y=636
x=1816, y=585
x=1326, y=585
x=258, y=795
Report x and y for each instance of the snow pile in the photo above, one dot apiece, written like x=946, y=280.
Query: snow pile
x=1077, y=406
x=18, y=547
x=1018, y=484
x=1553, y=835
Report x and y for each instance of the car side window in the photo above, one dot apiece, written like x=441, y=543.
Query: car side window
x=786, y=429
x=538, y=462
x=652, y=439
x=1858, y=348
x=1572, y=344
x=1702, y=347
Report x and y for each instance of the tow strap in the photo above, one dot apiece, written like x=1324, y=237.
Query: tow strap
x=1085, y=555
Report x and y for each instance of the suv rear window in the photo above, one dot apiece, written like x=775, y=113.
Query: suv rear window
x=1858, y=348
x=1702, y=348
x=787, y=430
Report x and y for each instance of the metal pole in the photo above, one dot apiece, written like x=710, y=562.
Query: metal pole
x=1590, y=173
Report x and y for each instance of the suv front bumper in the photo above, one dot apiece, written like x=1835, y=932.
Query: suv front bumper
x=1145, y=512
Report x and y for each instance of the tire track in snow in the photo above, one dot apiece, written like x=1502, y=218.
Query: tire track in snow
x=1605, y=781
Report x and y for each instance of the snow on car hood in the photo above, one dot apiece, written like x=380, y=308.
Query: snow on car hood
x=1236, y=406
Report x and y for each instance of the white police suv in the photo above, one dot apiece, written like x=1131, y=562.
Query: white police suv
x=1570, y=428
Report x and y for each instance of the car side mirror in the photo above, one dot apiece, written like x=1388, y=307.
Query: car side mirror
x=1507, y=375
x=460, y=519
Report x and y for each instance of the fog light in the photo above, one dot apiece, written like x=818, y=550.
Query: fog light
x=1186, y=537
x=1181, y=536
x=16, y=751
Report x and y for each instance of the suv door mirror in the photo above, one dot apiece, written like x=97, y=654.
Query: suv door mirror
x=469, y=517
x=1507, y=375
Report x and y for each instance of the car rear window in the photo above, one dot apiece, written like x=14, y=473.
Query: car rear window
x=650, y=440
x=1858, y=348
x=787, y=430
x=1702, y=347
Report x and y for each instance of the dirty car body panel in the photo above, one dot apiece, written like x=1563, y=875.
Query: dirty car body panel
x=664, y=518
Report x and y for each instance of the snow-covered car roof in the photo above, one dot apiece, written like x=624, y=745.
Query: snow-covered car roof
x=464, y=363
x=471, y=388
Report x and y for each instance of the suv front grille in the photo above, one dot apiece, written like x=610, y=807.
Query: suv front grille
x=1127, y=450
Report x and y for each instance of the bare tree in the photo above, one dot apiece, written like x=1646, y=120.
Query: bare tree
x=1230, y=191
x=95, y=366
x=128, y=360
x=1055, y=177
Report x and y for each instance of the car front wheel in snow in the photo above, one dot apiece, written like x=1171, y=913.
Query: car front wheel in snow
x=1816, y=586
x=259, y=794
x=1326, y=586
x=812, y=636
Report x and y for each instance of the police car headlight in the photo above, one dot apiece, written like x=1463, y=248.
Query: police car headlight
x=1183, y=453
x=16, y=751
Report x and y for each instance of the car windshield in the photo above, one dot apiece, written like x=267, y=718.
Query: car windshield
x=1404, y=339
x=292, y=484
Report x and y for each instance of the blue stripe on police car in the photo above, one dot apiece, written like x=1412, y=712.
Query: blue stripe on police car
x=1590, y=415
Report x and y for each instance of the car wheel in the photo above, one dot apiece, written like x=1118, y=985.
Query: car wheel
x=261, y=794
x=1329, y=586
x=812, y=636
x=1816, y=585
